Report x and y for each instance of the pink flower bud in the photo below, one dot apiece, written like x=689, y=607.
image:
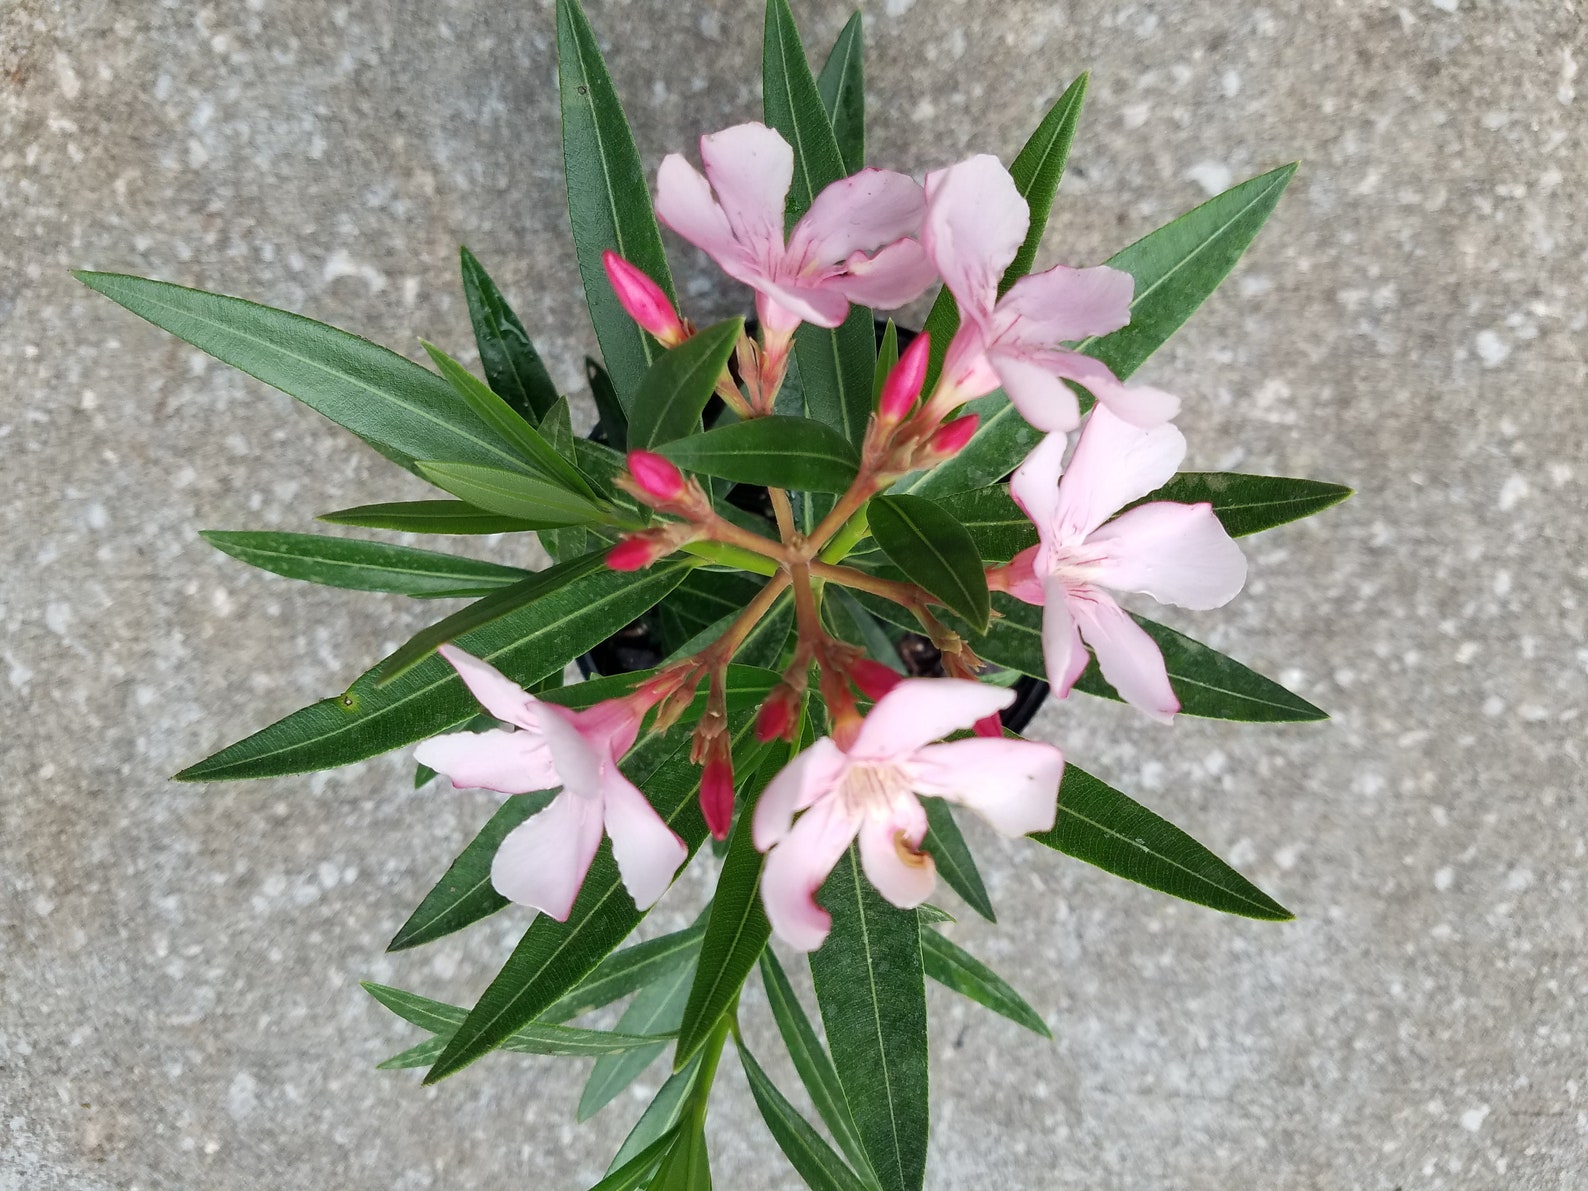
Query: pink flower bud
x=904, y=383
x=644, y=300
x=992, y=725
x=716, y=789
x=776, y=718
x=656, y=476
x=872, y=679
x=636, y=552
x=951, y=439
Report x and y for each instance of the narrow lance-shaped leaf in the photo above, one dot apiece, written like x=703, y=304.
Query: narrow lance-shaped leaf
x=870, y=985
x=813, y=1158
x=427, y=516
x=1249, y=504
x=636, y=1172
x=557, y=429
x=363, y=566
x=657, y=1008
x=627, y=971
x=613, y=421
x=660, y=1115
x=669, y=399
x=952, y=855
x=609, y=202
x=954, y=967
x=773, y=452
x=401, y=409
x=925, y=542
x=686, y=1167
x=1101, y=826
x=842, y=86
x=513, y=494
x=526, y=645
x=510, y=360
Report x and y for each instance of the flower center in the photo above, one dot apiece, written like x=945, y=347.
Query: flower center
x=871, y=789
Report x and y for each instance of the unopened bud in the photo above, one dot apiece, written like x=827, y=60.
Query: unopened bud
x=776, y=717
x=904, y=383
x=655, y=476
x=872, y=679
x=951, y=439
x=716, y=789
x=990, y=725
x=638, y=551
x=645, y=301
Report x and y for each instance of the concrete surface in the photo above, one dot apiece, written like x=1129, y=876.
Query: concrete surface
x=178, y=997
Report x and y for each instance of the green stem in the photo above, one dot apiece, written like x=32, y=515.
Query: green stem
x=846, y=539
x=710, y=1056
x=732, y=556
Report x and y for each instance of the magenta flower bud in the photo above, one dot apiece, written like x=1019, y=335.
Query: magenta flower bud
x=951, y=439
x=637, y=551
x=644, y=300
x=904, y=383
x=656, y=476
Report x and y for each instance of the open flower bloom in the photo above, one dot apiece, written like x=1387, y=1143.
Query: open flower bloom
x=543, y=860
x=853, y=245
x=871, y=789
x=975, y=223
x=1176, y=553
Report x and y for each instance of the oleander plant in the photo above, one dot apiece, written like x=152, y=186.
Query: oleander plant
x=815, y=571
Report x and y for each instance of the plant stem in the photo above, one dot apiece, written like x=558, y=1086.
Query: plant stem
x=784, y=513
x=710, y=1056
x=844, y=541
x=723, y=648
x=900, y=592
x=732, y=556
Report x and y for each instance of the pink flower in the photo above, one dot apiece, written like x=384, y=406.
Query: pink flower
x=975, y=224
x=852, y=245
x=543, y=861
x=870, y=790
x=645, y=301
x=1176, y=553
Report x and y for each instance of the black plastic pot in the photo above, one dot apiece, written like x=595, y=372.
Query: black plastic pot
x=638, y=646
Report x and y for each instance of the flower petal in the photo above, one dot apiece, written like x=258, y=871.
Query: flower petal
x=684, y=203
x=1023, y=581
x=1035, y=484
x=825, y=307
x=896, y=275
x=1177, y=554
x=795, y=870
x=921, y=710
x=859, y=213
x=1062, y=652
x=508, y=762
x=1013, y=784
x=648, y=851
x=1114, y=463
x=577, y=759
x=1140, y=405
x=750, y=167
x=975, y=223
x=1130, y=660
x=1064, y=304
x=497, y=693
x=812, y=773
x=889, y=852
x=543, y=860
x=1041, y=397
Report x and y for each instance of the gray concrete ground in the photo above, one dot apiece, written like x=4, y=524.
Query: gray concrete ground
x=178, y=997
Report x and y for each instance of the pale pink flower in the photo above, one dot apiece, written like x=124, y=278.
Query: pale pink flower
x=1176, y=553
x=853, y=245
x=543, y=860
x=975, y=223
x=871, y=789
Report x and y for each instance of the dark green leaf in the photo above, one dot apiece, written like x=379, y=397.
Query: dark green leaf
x=427, y=516
x=660, y=1116
x=925, y=542
x=811, y=1060
x=557, y=429
x=931, y=915
x=536, y=639
x=686, y=1167
x=1101, y=826
x=842, y=85
x=668, y=402
x=393, y=404
x=813, y=1158
x=657, y=1008
x=609, y=201
x=994, y=522
x=362, y=566
x=513, y=494
x=957, y=969
x=613, y=422
x=954, y=861
x=627, y=971
x=511, y=363
x=636, y=1172
x=774, y=452
x=1250, y=504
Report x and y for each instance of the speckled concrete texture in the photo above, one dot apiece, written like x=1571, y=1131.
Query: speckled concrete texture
x=178, y=981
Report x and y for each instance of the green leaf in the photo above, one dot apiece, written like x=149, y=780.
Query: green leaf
x=510, y=425
x=464, y=894
x=813, y=1158
x=613, y=421
x=774, y=452
x=510, y=360
x=427, y=516
x=870, y=986
x=1037, y=171
x=627, y=971
x=668, y=402
x=554, y=956
x=842, y=86
x=660, y=1116
x=952, y=855
x=636, y=1171
x=957, y=969
x=925, y=542
x=1101, y=826
x=1249, y=504
x=609, y=201
x=531, y=642
x=557, y=429
x=513, y=494
x=404, y=411
x=1175, y=268
x=835, y=365
x=362, y=566
x=686, y=1167
x=815, y=1067
x=657, y=1008
x=994, y=522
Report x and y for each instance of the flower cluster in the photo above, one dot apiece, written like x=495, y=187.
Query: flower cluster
x=880, y=239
